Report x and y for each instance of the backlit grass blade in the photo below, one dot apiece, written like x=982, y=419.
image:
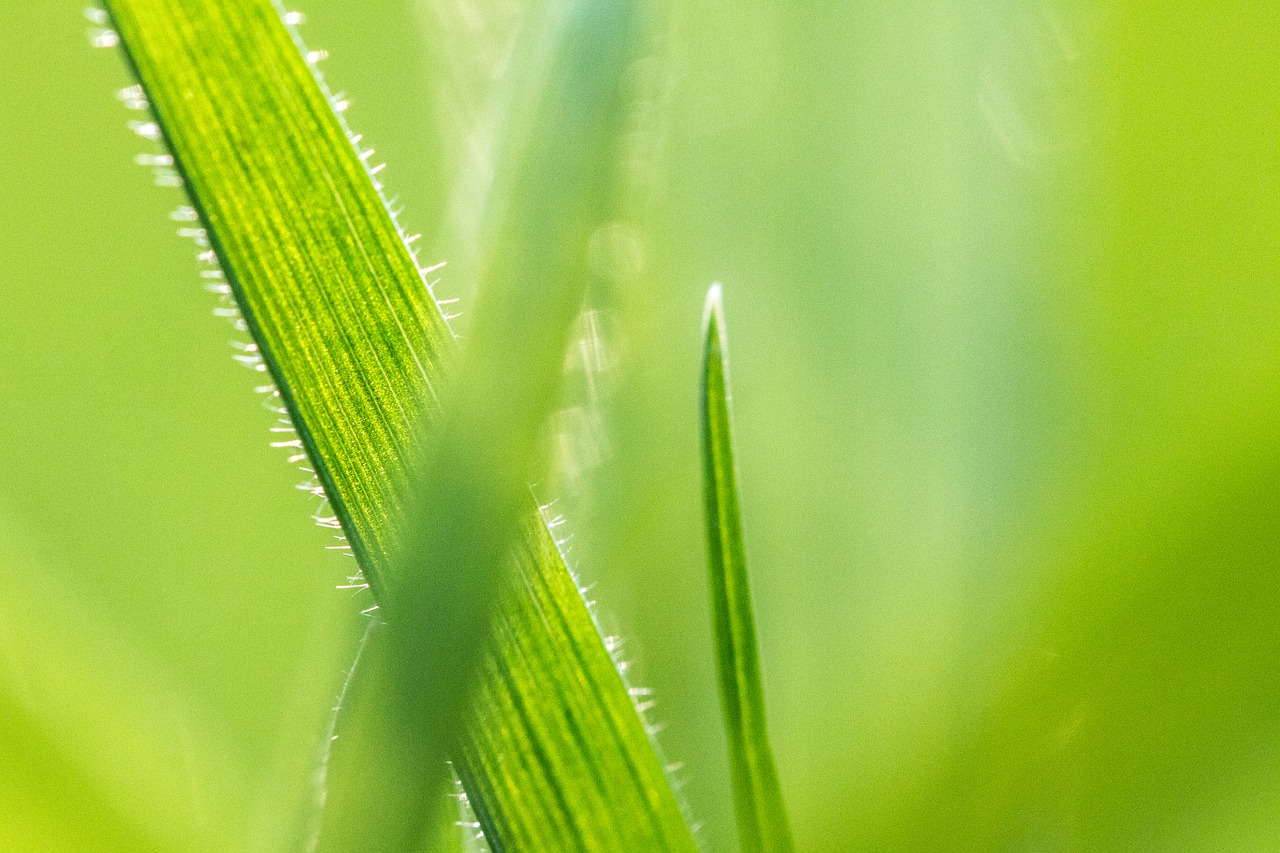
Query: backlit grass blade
x=552, y=192
x=762, y=818
x=552, y=752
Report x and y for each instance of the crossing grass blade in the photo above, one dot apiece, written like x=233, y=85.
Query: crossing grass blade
x=551, y=749
x=762, y=818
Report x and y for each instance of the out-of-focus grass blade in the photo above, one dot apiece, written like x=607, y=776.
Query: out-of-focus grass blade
x=762, y=818
x=553, y=752
x=552, y=193
x=98, y=748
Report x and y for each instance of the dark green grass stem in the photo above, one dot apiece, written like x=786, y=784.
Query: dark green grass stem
x=762, y=818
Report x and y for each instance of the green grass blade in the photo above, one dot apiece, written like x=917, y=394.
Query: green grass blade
x=762, y=818
x=553, y=193
x=553, y=753
x=100, y=732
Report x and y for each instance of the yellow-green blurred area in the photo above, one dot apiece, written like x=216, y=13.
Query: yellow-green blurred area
x=1003, y=292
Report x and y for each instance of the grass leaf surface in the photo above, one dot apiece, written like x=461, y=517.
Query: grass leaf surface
x=553, y=752
x=762, y=818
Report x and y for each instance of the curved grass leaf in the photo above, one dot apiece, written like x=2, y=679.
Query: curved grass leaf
x=552, y=752
x=97, y=742
x=762, y=818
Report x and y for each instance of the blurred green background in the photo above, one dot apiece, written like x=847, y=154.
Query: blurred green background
x=1003, y=287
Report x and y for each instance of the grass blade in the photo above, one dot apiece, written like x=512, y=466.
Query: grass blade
x=100, y=731
x=553, y=753
x=553, y=192
x=762, y=818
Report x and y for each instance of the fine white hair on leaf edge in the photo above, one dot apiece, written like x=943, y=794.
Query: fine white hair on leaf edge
x=642, y=698
x=247, y=352
x=340, y=102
